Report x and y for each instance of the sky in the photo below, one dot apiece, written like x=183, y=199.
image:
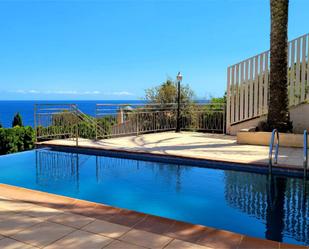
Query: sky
x=103, y=50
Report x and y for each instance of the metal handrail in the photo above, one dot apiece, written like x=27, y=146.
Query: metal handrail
x=99, y=132
x=305, y=153
x=274, y=134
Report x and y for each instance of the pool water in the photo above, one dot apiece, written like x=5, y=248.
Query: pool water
x=275, y=208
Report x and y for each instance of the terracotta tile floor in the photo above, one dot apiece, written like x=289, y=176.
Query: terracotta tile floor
x=52, y=222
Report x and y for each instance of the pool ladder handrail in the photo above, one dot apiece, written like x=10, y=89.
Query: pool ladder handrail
x=305, y=153
x=274, y=134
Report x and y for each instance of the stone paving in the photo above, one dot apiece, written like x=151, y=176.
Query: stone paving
x=24, y=225
x=193, y=145
x=34, y=219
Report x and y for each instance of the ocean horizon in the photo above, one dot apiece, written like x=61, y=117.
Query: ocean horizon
x=8, y=108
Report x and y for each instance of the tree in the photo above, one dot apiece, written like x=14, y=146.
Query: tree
x=217, y=102
x=17, y=120
x=166, y=97
x=278, y=115
x=167, y=93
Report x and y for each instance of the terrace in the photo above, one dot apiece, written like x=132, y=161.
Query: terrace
x=191, y=145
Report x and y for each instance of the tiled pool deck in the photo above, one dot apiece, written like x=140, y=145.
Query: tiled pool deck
x=33, y=219
x=193, y=145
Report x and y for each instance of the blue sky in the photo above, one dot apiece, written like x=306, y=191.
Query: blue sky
x=117, y=49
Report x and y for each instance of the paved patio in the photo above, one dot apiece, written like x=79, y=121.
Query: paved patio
x=193, y=145
x=33, y=219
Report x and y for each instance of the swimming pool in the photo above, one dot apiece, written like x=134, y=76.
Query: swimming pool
x=253, y=204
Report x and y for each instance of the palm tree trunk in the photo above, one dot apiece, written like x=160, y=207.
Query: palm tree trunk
x=278, y=94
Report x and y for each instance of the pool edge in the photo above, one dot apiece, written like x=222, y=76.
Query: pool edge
x=197, y=234
x=256, y=167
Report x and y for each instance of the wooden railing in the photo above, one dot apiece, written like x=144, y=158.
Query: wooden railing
x=248, y=82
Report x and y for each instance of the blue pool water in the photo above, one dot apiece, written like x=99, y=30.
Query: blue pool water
x=253, y=204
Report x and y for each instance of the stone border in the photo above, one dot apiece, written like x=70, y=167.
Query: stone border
x=201, y=235
x=257, y=167
x=263, y=138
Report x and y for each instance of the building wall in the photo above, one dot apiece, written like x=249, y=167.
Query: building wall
x=299, y=115
x=233, y=129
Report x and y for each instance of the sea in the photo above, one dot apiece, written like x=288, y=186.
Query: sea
x=26, y=108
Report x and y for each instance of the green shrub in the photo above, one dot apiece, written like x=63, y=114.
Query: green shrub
x=64, y=119
x=17, y=120
x=86, y=131
x=106, y=124
x=16, y=139
x=66, y=123
x=29, y=138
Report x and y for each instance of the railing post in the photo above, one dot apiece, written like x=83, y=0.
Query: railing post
x=76, y=135
x=35, y=124
x=228, y=101
x=137, y=126
x=96, y=129
x=224, y=118
x=305, y=153
x=178, y=108
x=96, y=123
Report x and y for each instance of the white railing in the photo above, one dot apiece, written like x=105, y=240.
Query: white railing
x=248, y=82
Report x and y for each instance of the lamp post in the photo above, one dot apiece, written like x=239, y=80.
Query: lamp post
x=179, y=79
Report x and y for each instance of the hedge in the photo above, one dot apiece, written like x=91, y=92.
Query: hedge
x=16, y=139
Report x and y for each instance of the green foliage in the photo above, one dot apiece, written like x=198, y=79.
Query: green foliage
x=53, y=131
x=17, y=120
x=208, y=117
x=216, y=103
x=192, y=115
x=106, y=124
x=64, y=119
x=65, y=125
x=16, y=139
x=167, y=93
x=85, y=130
x=220, y=100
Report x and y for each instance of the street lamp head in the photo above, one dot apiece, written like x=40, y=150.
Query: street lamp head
x=179, y=77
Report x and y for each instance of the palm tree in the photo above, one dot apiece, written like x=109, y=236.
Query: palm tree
x=278, y=114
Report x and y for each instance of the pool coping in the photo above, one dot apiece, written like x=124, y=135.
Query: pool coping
x=196, y=234
x=256, y=167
